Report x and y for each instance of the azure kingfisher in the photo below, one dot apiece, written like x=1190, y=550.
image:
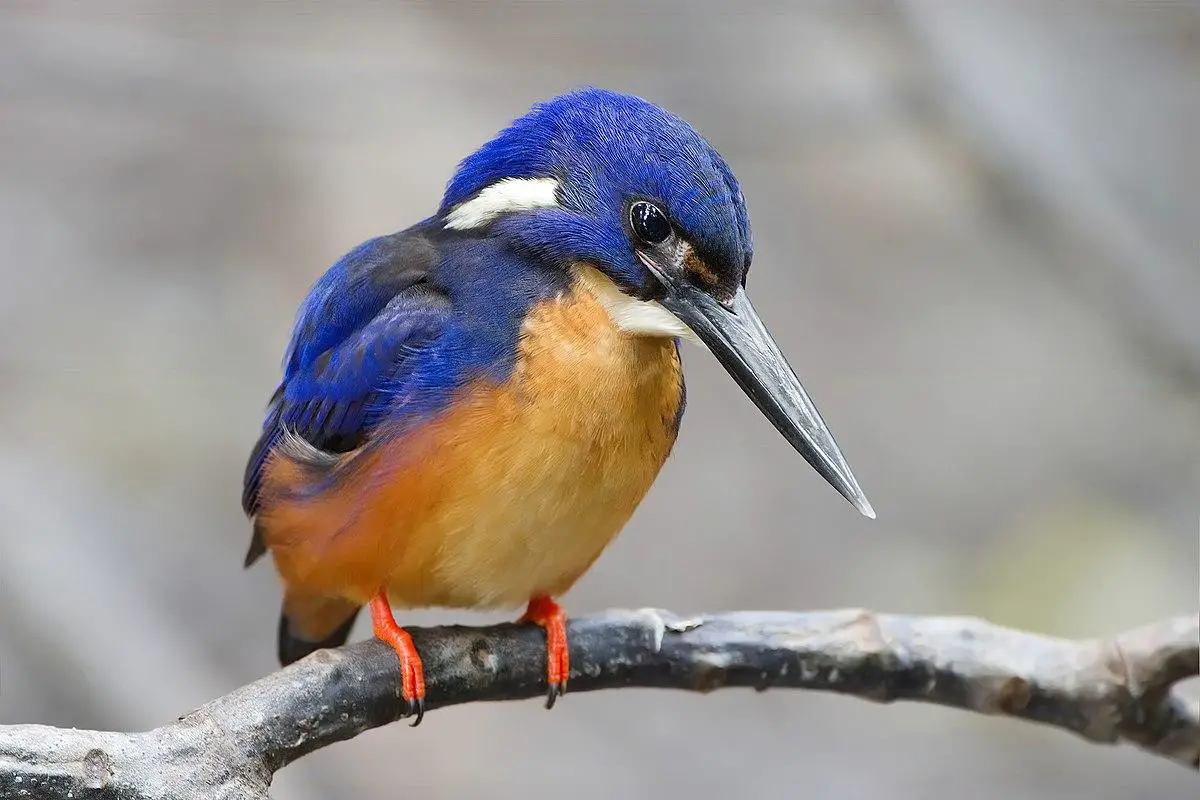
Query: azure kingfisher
x=472, y=408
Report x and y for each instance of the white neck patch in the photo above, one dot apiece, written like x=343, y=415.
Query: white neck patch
x=509, y=194
x=633, y=316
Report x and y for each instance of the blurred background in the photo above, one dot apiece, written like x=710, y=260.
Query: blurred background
x=976, y=239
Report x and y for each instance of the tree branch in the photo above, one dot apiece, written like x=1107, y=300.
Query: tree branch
x=1110, y=690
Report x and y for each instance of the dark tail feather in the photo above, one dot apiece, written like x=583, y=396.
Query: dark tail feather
x=293, y=648
x=257, y=548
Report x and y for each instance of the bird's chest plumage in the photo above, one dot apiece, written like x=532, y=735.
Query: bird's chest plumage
x=511, y=491
x=517, y=487
x=542, y=472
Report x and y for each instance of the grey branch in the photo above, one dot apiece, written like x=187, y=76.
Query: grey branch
x=1108, y=691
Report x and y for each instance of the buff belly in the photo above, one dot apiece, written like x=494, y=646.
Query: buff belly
x=512, y=492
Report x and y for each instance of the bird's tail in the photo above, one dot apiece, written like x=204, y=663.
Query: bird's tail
x=310, y=624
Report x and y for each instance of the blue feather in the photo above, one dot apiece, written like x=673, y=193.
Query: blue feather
x=395, y=327
x=391, y=331
x=606, y=147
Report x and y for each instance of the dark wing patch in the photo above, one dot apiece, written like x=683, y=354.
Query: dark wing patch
x=357, y=330
x=354, y=290
x=327, y=404
x=330, y=404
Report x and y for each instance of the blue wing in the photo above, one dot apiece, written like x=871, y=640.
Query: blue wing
x=359, y=330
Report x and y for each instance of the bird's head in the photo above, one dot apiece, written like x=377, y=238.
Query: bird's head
x=615, y=182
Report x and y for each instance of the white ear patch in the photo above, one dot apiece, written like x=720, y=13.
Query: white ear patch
x=633, y=316
x=509, y=194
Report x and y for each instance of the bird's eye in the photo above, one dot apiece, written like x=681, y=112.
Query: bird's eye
x=649, y=223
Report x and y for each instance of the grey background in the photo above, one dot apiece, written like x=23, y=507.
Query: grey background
x=976, y=228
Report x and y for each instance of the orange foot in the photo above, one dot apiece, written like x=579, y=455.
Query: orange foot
x=545, y=612
x=412, y=682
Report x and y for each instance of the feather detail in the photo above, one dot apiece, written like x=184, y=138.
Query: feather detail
x=512, y=491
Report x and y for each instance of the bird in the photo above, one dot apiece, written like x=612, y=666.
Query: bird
x=471, y=408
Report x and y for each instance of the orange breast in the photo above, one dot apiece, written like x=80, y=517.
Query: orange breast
x=510, y=493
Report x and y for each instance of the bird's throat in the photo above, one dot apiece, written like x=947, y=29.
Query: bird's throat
x=630, y=315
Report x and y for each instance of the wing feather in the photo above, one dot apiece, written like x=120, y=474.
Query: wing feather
x=362, y=326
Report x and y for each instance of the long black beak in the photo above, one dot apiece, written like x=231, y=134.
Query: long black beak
x=737, y=337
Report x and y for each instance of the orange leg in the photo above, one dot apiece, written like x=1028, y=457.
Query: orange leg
x=412, y=682
x=545, y=612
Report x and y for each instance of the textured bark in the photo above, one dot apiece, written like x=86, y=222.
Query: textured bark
x=1107, y=690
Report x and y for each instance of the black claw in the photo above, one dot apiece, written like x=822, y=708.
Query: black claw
x=557, y=690
x=417, y=707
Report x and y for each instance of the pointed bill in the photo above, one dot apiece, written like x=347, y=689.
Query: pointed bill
x=738, y=338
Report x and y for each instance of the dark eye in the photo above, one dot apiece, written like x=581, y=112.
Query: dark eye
x=649, y=223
